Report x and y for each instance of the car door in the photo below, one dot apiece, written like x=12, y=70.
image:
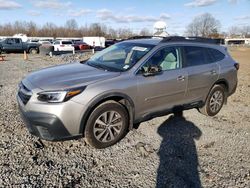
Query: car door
x=202, y=72
x=18, y=45
x=8, y=46
x=164, y=90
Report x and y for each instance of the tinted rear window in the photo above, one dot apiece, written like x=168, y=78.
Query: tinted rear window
x=79, y=42
x=195, y=55
x=216, y=54
x=66, y=42
x=201, y=55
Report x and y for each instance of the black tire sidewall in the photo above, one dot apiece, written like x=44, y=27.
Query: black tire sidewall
x=31, y=51
x=214, y=89
x=107, y=106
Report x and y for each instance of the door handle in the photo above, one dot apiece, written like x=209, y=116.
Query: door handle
x=213, y=72
x=181, y=78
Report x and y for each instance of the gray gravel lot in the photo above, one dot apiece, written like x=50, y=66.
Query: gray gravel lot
x=170, y=151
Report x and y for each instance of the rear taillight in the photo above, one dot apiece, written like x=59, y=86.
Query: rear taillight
x=237, y=66
x=62, y=45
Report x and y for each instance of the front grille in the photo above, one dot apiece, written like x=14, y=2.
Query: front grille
x=24, y=93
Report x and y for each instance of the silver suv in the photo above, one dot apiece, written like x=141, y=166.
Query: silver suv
x=128, y=83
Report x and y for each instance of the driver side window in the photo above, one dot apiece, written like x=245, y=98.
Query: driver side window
x=167, y=59
x=10, y=41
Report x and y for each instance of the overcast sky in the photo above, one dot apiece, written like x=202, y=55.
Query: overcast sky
x=133, y=14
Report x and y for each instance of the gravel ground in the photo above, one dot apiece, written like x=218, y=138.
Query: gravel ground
x=170, y=151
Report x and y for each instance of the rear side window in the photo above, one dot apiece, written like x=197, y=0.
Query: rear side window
x=17, y=41
x=195, y=55
x=200, y=55
x=216, y=54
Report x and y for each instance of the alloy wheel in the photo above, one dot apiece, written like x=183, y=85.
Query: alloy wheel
x=216, y=101
x=108, y=126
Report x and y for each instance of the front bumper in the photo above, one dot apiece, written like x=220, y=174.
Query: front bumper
x=45, y=125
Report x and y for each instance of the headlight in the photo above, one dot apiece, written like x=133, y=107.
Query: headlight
x=58, y=96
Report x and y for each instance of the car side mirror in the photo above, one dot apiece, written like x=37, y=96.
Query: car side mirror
x=153, y=70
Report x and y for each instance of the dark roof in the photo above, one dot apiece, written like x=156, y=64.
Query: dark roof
x=152, y=41
x=189, y=39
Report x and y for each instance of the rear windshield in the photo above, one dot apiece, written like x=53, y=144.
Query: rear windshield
x=79, y=42
x=66, y=42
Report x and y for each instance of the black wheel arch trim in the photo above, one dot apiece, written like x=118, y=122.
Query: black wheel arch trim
x=223, y=81
x=129, y=104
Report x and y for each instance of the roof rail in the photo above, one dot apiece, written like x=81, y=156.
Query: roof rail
x=144, y=37
x=181, y=39
x=189, y=39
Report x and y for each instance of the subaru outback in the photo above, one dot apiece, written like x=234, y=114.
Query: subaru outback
x=133, y=81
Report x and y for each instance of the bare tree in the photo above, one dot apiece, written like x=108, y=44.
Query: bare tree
x=31, y=29
x=96, y=29
x=245, y=31
x=49, y=30
x=236, y=31
x=204, y=25
x=69, y=29
x=124, y=33
x=112, y=33
x=145, y=32
x=71, y=24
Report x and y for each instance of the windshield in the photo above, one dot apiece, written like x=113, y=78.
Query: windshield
x=119, y=57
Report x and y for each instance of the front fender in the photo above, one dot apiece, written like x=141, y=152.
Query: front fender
x=104, y=97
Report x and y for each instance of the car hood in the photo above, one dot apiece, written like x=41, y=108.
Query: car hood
x=67, y=76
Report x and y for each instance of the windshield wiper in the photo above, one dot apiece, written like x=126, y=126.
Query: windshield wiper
x=103, y=67
x=98, y=66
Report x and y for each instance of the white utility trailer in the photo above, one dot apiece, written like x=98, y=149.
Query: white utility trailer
x=95, y=41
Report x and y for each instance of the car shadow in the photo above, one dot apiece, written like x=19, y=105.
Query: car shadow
x=177, y=153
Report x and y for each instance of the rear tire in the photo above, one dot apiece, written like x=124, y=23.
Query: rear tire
x=214, y=101
x=33, y=50
x=106, y=125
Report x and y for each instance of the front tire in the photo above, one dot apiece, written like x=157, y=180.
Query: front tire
x=214, y=101
x=107, y=124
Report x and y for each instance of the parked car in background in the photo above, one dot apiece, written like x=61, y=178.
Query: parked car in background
x=45, y=43
x=109, y=43
x=47, y=40
x=80, y=45
x=46, y=47
x=33, y=40
x=63, y=45
x=17, y=45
